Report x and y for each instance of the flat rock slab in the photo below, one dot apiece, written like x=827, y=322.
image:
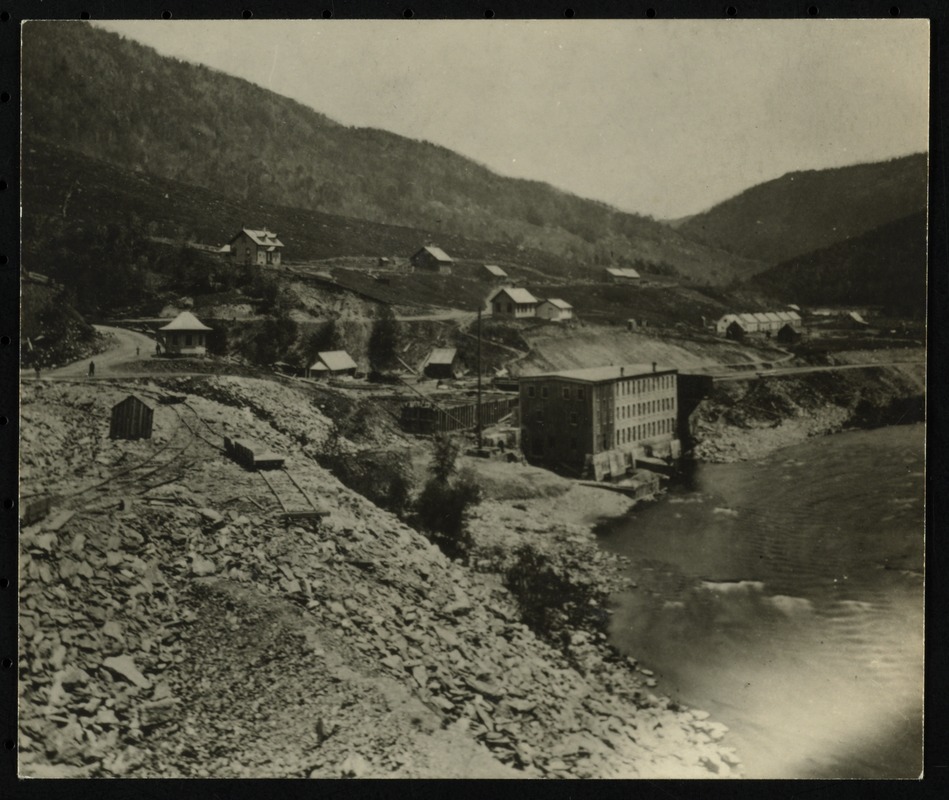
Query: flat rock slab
x=124, y=666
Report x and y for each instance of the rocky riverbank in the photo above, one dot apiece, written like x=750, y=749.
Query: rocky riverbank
x=173, y=625
x=743, y=420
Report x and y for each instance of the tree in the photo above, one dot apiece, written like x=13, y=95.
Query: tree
x=383, y=340
x=445, y=499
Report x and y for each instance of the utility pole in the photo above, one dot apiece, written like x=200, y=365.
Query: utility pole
x=478, y=416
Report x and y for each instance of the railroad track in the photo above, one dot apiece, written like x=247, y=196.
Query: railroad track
x=295, y=502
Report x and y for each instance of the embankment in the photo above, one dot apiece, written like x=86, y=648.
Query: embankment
x=173, y=626
x=747, y=419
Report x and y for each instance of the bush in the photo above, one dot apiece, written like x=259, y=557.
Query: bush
x=549, y=599
x=382, y=478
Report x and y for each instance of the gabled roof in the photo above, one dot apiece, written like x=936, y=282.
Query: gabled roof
x=263, y=238
x=137, y=398
x=599, y=374
x=495, y=270
x=622, y=272
x=759, y=317
x=438, y=253
x=520, y=296
x=773, y=316
x=333, y=361
x=747, y=319
x=557, y=303
x=185, y=321
x=442, y=355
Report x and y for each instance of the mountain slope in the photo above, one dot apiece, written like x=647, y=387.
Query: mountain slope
x=805, y=211
x=885, y=266
x=122, y=103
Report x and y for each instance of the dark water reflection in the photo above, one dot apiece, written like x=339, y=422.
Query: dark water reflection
x=786, y=597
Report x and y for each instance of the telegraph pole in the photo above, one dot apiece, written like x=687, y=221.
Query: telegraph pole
x=478, y=416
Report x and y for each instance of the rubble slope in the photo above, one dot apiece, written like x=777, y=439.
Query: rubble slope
x=172, y=625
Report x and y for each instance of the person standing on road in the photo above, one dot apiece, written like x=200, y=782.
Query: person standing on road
x=92, y=368
x=37, y=368
x=137, y=349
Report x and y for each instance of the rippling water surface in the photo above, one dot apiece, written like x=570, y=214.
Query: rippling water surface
x=786, y=597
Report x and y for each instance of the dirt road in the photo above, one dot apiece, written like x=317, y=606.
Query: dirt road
x=127, y=346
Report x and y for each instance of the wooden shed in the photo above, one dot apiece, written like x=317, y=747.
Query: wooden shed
x=442, y=362
x=131, y=419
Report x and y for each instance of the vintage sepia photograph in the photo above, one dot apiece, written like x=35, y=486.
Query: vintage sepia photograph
x=473, y=399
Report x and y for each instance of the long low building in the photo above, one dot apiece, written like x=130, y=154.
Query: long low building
x=574, y=418
x=756, y=322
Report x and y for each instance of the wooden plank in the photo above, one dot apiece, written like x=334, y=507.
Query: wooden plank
x=58, y=520
x=273, y=489
x=306, y=495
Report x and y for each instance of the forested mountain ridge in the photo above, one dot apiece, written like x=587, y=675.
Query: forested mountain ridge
x=121, y=102
x=805, y=211
x=883, y=267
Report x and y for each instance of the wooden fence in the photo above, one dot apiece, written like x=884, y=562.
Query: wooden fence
x=426, y=419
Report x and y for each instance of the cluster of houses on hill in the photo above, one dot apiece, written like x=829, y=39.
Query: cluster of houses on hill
x=510, y=302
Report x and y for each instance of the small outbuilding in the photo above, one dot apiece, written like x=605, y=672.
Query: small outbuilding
x=625, y=275
x=554, y=309
x=131, y=419
x=855, y=321
x=735, y=330
x=433, y=259
x=494, y=273
x=788, y=334
x=332, y=363
x=185, y=335
x=442, y=362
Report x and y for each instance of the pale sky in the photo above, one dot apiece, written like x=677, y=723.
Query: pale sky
x=659, y=117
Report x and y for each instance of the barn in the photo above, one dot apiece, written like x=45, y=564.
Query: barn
x=131, y=419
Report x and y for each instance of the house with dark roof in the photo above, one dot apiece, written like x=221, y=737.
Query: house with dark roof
x=442, y=362
x=258, y=247
x=554, y=309
x=332, y=363
x=185, y=335
x=433, y=259
x=512, y=303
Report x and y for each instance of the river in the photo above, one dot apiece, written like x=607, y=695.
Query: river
x=785, y=596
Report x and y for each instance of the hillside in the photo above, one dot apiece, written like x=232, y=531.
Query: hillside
x=51, y=330
x=885, y=266
x=65, y=193
x=121, y=103
x=805, y=211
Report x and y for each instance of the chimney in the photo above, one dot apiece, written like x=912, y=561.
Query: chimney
x=653, y=366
